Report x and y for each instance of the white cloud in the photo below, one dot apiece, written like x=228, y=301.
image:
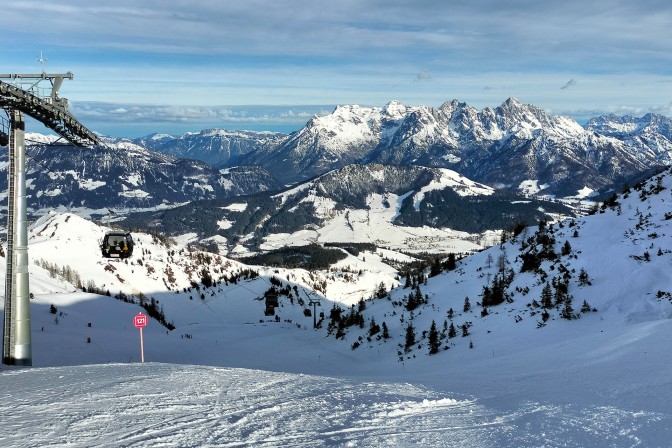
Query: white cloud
x=283, y=52
x=664, y=109
x=132, y=120
x=423, y=76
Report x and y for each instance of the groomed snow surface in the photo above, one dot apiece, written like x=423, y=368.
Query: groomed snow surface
x=229, y=376
x=198, y=406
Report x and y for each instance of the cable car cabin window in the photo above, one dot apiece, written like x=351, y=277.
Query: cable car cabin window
x=117, y=244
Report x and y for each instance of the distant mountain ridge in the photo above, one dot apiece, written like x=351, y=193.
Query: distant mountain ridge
x=384, y=204
x=628, y=127
x=216, y=147
x=123, y=176
x=502, y=146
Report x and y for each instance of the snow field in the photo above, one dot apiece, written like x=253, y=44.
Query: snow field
x=153, y=405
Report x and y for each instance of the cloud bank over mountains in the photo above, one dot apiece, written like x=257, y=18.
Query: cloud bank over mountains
x=301, y=52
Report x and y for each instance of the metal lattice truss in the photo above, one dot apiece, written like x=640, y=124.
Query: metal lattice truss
x=19, y=99
x=51, y=111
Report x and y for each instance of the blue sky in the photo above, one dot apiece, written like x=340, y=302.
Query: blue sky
x=175, y=65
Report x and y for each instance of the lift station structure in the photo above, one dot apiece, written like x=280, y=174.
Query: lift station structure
x=20, y=95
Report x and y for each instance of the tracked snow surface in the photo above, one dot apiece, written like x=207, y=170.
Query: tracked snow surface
x=228, y=375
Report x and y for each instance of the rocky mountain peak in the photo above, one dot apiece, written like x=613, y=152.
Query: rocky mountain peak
x=394, y=109
x=449, y=107
x=513, y=113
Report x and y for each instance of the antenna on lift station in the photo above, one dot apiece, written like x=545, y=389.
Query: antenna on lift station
x=42, y=60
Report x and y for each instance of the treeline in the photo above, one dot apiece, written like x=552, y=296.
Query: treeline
x=65, y=272
x=286, y=221
x=71, y=276
x=310, y=257
x=474, y=214
x=353, y=248
x=152, y=306
x=260, y=216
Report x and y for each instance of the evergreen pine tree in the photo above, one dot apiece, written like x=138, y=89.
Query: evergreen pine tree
x=374, y=328
x=361, y=306
x=566, y=249
x=436, y=267
x=560, y=294
x=450, y=263
x=583, y=278
x=411, y=304
x=585, y=308
x=485, y=299
x=568, y=311
x=433, y=339
x=502, y=262
x=547, y=297
x=206, y=278
x=418, y=297
x=410, y=337
x=467, y=305
x=386, y=333
x=452, y=331
x=335, y=313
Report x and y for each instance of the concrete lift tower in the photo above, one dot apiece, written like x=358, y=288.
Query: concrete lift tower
x=23, y=94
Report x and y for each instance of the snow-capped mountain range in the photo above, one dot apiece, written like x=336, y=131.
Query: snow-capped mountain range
x=501, y=147
x=514, y=146
x=217, y=147
x=122, y=176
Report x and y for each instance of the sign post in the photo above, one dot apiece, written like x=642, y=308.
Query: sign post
x=140, y=321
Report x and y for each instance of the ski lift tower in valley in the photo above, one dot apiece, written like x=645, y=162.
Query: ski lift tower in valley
x=35, y=95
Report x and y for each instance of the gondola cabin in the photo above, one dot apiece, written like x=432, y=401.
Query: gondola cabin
x=117, y=244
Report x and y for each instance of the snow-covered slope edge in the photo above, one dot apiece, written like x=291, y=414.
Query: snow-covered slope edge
x=611, y=267
x=594, y=381
x=599, y=278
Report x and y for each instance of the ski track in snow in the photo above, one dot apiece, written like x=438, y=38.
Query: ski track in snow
x=158, y=405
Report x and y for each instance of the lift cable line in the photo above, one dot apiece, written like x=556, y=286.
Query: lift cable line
x=27, y=96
